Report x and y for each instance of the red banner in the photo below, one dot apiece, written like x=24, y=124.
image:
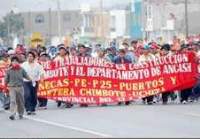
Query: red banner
x=97, y=81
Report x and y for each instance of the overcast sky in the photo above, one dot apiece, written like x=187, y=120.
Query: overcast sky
x=35, y=5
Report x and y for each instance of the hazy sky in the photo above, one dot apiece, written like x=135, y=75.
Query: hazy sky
x=34, y=5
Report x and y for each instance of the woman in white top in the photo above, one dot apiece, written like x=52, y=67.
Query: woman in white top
x=35, y=71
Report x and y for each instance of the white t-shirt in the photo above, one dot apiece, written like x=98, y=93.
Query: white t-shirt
x=34, y=70
x=144, y=58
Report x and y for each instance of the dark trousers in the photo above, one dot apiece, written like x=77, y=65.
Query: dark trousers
x=185, y=94
x=196, y=92
x=149, y=99
x=2, y=99
x=42, y=102
x=165, y=97
x=30, y=95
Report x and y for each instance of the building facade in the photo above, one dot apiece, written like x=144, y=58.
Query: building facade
x=149, y=19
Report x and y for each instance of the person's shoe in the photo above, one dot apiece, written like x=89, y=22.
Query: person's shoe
x=33, y=113
x=127, y=103
x=68, y=105
x=12, y=117
x=6, y=107
x=28, y=113
x=119, y=103
x=184, y=102
x=104, y=105
x=59, y=103
x=84, y=105
x=150, y=103
x=42, y=108
x=21, y=117
x=191, y=100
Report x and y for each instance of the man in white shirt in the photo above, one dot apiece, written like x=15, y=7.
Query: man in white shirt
x=35, y=71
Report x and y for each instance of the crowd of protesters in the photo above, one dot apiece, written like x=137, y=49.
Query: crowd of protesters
x=27, y=63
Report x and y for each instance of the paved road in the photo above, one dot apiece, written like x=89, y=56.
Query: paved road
x=114, y=121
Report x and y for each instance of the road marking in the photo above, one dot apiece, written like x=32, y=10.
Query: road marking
x=67, y=127
x=193, y=114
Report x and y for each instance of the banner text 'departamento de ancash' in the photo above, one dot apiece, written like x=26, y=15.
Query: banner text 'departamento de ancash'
x=96, y=81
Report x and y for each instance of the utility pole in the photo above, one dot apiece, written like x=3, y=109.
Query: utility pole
x=50, y=24
x=102, y=22
x=186, y=18
x=30, y=21
x=8, y=31
x=59, y=20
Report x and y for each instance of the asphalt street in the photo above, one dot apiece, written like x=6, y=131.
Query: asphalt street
x=136, y=120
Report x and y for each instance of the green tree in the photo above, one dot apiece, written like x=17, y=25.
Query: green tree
x=11, y=26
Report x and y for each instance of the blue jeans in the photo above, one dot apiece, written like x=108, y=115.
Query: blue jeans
x=30, y=95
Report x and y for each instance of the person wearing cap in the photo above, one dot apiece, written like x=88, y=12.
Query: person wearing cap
x=62, y=55
x=73, y=51
x=41, y=49
x=52, y=52
x=185, y=93
x=155, y=49
x=43, y=57
x=134, y=44
x=82, y=51
x=165, y=51
x=14, y=81
x=36, y=72
x=146, y=56
x=110, y=54
x=43, y=101
x=184, y=48
x=121, y=59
